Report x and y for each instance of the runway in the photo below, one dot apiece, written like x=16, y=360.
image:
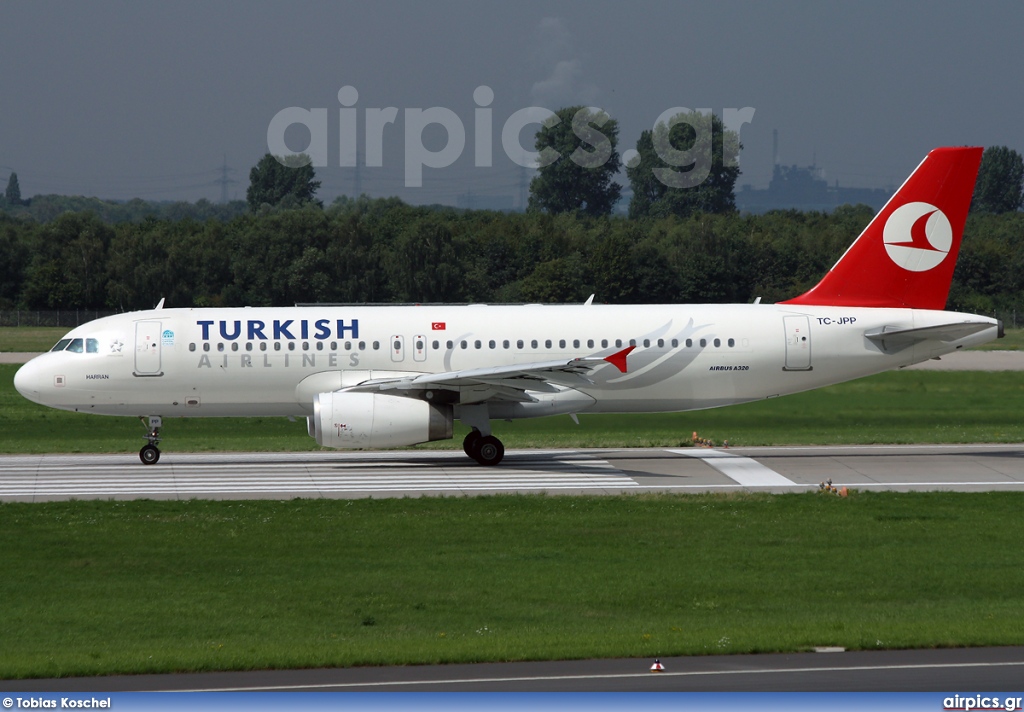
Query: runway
x=965, y=670
x=412, y=473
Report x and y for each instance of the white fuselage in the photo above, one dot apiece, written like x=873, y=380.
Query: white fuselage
x=273, y=361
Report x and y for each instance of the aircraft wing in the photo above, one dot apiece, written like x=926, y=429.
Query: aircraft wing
x=896, y=340
x=509, y=383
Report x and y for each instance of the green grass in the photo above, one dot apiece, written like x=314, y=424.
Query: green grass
x=895, y=407
x=1013, y=341
x=30, y=339
x=138, y=587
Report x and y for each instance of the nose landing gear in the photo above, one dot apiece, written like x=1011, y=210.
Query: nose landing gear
x=150, y=453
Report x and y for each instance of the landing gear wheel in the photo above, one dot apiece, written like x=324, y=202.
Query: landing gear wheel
x=149, y=454
x=489, y=451
x=471, y=443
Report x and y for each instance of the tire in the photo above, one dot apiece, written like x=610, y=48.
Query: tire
x=489, y=451
x=471, y=443
x=149, y=454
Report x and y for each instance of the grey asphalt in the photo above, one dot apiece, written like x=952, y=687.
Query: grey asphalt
x=965, y=670
x=412, y=473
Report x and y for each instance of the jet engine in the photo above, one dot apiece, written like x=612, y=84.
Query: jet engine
x=374, y=420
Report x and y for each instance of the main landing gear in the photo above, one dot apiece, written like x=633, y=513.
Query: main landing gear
x=150, y=453
x=485, y=449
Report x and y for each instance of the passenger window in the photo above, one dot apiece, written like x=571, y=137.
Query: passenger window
x=248, y=346
x=618, y=343
x=319, y=345
x=263, y=346
x=718, y=342
x=732, y=342
x=450, y=344
x=348, y=345
x=647, y=343
x=590, y=343
x=464, y=344
x=220, y=346
x=632, y=342
x=519, y=344
x=491, y=344
x=689, y=343
x=547, y=343
x=419, y=344
x=291, y=345
x=476, y=344
x=533, y=344
x=561, y=343
x=604, y=343
x=362, y=346
x=277, y=346
x=505, y=344
x=192, y=346
x=376, y=345
x=436, y=345
x=661, y=343
x=703, y=343
x=234, y=346
x=675, y=343
x=206, y=346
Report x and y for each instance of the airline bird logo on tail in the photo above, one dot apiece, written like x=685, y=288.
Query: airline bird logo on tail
x=917, y=236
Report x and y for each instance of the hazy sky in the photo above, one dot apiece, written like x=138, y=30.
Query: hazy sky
x=146, y=99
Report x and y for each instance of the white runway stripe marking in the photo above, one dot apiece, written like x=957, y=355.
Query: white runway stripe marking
x=198, y=475
x=743, y=470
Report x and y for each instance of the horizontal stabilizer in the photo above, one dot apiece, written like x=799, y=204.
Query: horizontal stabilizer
x=897, y=339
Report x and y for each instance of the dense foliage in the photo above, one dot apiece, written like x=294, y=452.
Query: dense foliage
x=287, y=182
x=577, y=148
x=1000, y=184
x=386, y=251
x=701, y=176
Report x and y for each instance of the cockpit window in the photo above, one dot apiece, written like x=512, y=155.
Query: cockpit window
x=75, y=346
x=92, y=346
x=61, y=345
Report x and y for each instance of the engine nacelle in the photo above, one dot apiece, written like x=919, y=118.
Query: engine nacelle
x=375, y=420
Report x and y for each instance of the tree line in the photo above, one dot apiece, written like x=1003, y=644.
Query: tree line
x=383, y=250
x=683, y=240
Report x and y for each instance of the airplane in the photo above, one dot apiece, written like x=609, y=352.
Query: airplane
x=395, y=376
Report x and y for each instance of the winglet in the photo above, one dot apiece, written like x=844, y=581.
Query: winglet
x=618, y=359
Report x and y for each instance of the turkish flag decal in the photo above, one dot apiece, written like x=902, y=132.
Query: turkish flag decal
x=437, y=326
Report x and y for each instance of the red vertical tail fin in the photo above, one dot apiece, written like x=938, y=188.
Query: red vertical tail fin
x=906, y=255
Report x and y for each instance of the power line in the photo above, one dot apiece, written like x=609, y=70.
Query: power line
x=224, y=181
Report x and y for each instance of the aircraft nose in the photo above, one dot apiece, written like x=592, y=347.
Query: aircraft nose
x=28, y=381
